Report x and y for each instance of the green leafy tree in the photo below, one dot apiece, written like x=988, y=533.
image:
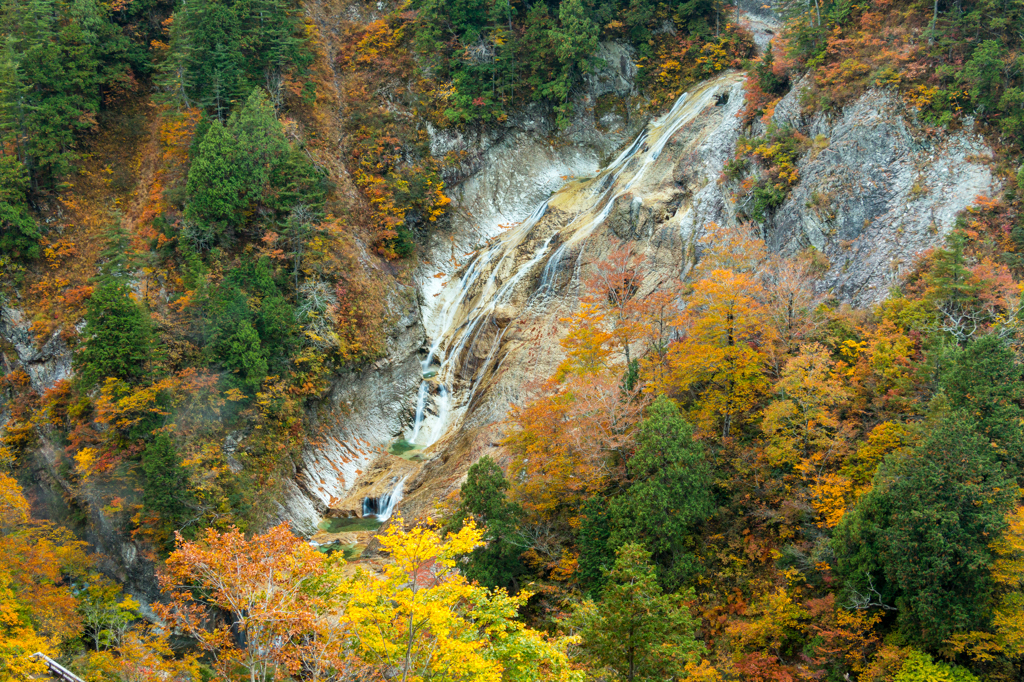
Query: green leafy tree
x=575, y=43
x=698, y=16
x=105, y=615
x=765, y=72
x=918, y=542
x=484, y=500
x=637, y=632
x=986, y=384
x=247, y=169
x=919, y=667
x=637, y=16
x=670, y=492
x=960, y=299
x=117, y=339
x=166, y=485
x=246, y=358
x=261, y=144
x=251, y=329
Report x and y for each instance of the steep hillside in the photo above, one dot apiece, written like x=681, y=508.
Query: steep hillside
x=485, y=340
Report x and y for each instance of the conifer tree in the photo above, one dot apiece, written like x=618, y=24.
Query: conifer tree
x=166, y=480
x=636, y=631
x=985, y=384
x=217, y=191
x=19, y=234
x=670, y=492
x=260, y=145
x=484, y=501
x=221, y=49
x=244, y=166
x=919, y=541
x=575, y=41
x=594, y=541
x=116, y=341
x=57, y=58
x=246, y=358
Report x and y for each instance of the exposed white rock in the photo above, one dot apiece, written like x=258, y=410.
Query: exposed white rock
x=356, y=421
x=530, y=219
x=881, y=192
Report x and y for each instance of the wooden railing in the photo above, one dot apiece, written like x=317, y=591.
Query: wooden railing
x=56, y=670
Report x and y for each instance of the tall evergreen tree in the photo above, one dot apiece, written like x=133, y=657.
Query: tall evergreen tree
x=636, y=631
x=484, y=501
x=247, y=167
x=57, y=58
x=19, y=234
x=594, y=541
x=221, y=49
x=117, y=340
x=985, y=384
x=918, y=542
x=669, y=492
x=166, y=480
x=261, y=145
x=246, y=358
x=217, y=191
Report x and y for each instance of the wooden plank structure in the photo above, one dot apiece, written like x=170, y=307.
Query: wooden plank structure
x=56, y=670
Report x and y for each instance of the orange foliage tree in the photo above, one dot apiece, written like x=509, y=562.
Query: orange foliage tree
x=38, y=609
x=264, y=585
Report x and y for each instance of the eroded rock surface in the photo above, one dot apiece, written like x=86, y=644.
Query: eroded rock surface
x=875, y=191
x=880, y=193
x=45, y=365
x=356, y=421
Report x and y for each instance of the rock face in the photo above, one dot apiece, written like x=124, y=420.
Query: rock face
x=45, y=365
x=356, y=421
x=507, y=170
x=532, y=214
x=875, y=191
x=495, y=322
x=880, y=193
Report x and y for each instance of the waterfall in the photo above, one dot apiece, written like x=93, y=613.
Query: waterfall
x=381, y=507
x=467, y=303
x=421, y=400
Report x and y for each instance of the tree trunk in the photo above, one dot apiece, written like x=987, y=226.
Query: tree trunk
x=931, y=29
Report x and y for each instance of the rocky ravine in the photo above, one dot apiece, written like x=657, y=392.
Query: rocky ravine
x=877, y=193
x=881, y=189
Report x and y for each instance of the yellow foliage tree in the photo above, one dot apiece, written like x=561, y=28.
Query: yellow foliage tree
x=418, y=619
x=1007, y=637
x=801, y=424
x=425, y=621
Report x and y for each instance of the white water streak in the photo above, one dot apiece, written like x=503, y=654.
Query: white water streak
x=458, y=315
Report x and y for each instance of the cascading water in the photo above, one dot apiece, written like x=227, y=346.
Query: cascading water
x=421, y=401
x=381, y=507
x=464, y=310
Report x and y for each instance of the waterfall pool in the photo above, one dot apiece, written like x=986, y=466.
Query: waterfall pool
x=349, y=525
